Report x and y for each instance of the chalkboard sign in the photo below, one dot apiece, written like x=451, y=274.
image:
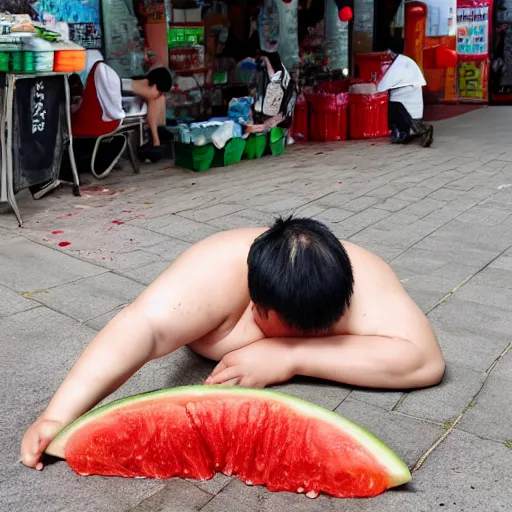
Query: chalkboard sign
x=39, y=118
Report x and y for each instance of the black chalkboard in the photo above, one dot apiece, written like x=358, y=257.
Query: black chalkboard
x=39, y=122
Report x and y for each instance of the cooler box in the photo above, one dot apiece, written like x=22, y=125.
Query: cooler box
x=368, y=115
x=69, y=57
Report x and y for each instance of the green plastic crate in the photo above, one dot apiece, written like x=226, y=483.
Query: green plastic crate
x=5, y=59
x=23, y=62
x=255, y=146
x=230, y=154
x=195, y=158
x=277, y=141
x=184, y=36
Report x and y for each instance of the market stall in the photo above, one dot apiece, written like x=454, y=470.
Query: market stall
x=35, y=116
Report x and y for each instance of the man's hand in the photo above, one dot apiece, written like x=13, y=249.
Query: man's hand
x=36, y=440
x=258, y=365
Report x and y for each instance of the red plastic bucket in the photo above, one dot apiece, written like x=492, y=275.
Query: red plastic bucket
x=369, y=115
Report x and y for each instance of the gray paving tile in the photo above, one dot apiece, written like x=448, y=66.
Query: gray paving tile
x=127, y=261
x=490, y=416
x=244, y=219
x=383, y=399
x=491, y=287
x=408, y=437
x=211, y=212
x=503, y=262
x=275, y=202
x=473, y=335
x=215, y=485
x=26, y=266
x=392, y=204
x=444, y=403
x=176, y=495
x=389, y=190
x=503, y=368
x=147, y=273
x=37, y=349
x=360, y=204
x=321, y=393
x=418, y=261
x=57, y=488
x=424, y=207
x=455, y=478
x=238, y=497
x=90, y=297
x=362, y=220
x=333, y=215
x=413, y=193
x=170, y=249
x=181, y=368
x=486, y=216
x=12, y=302
x=178, y=227
x=445, y=194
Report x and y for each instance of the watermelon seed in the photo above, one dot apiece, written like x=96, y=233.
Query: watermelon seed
x=300, y=490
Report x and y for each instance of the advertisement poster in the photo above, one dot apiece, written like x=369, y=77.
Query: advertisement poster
x=473, y=30
x=473, y=81
x=83, y=17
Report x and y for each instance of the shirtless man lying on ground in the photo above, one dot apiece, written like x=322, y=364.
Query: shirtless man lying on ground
x=267, y=304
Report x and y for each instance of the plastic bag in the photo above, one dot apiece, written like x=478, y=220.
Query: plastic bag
x=240, y=110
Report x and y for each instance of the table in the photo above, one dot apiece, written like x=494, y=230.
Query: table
x=7, y=193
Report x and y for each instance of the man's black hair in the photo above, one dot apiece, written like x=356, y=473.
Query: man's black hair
x=300, y=270
x=161, y=77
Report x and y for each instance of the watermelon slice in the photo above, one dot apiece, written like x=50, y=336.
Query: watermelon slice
x=264, y=437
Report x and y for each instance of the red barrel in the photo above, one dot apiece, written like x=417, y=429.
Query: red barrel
x=329, y=116
x=368, y=115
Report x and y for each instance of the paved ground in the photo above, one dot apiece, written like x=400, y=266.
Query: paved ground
x=441, y=217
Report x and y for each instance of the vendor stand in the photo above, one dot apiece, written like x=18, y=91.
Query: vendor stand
x=35, y=115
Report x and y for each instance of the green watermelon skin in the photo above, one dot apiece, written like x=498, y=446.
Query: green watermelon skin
x=261, y=436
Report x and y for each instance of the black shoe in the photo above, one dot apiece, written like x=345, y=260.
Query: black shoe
x=428, y=137
x=149, y=152
x=164, y=135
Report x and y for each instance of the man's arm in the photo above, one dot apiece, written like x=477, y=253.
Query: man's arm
x=368, y=361
x=173, y=311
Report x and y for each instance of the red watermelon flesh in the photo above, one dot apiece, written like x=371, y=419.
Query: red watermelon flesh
x=263, y=437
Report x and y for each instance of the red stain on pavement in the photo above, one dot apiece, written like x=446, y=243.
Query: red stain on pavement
x=102, y=191
x=64, y=244
x=118, y=222
x=58, y=232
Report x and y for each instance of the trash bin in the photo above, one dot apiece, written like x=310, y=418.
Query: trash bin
x=329, y=112
x=371, y=67
x=368, y=114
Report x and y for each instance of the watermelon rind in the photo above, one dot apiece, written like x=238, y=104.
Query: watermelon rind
x=397, y=470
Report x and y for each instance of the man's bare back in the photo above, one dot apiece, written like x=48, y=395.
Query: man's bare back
x=379, y=338
x=379, y=307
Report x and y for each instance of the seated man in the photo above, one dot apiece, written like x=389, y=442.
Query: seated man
x=101, y=110
x=268, y=304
